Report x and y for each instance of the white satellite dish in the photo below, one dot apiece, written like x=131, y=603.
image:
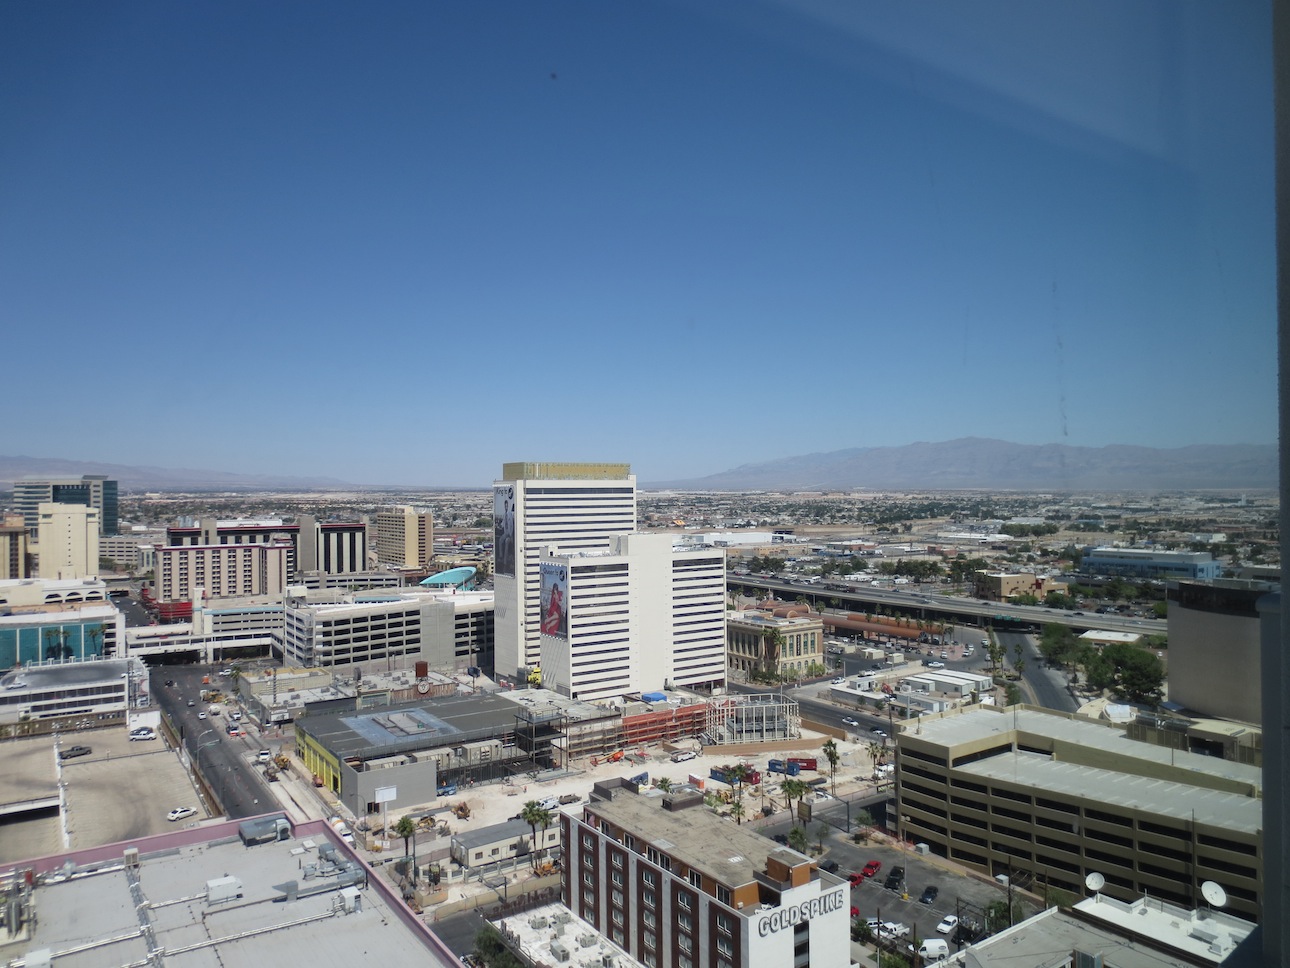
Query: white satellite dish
x=1213, y=893
x=1095, y=881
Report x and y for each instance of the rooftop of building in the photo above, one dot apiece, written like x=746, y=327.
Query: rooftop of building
x=1113, y=788
x=57, y=675
x=545, y=703
x=1049, y=938
x=335, y=600
x=1104, y=551
x=771, y=621
x=971, y=725
x=564, y=471
x=91, y=909
x=1203, y=934
x=1101, y=635
x=553, y=934
x=731, y=855
x=412, y=726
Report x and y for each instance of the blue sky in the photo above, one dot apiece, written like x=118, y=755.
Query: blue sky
x=404, y=243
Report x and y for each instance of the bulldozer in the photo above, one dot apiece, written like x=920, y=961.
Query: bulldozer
x=461, y=811
x=281, y=762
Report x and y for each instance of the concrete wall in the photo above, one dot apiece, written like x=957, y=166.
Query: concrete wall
x=416, y=784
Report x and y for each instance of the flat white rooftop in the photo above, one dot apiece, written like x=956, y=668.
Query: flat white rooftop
x=100, y=912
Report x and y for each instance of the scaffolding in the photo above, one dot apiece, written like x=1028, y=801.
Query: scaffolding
x=751, y=719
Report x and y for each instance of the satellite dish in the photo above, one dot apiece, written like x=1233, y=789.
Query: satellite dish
x=1213, y=893
x=1095, y=881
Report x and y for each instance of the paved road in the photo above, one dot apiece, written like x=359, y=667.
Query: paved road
x=1048, y=686
x=223, y=761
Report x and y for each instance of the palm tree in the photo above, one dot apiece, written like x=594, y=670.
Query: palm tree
x=875, y=752
x=95, y=634
x=407, y=829
x=534, y=815
x=797, y=839
x=830, y=750
x=736, y=776
x=737, y=811
x=664, y=784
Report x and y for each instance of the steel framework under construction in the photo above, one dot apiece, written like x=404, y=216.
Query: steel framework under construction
x=751, y=719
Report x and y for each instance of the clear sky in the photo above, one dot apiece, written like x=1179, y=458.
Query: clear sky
x=406, y=242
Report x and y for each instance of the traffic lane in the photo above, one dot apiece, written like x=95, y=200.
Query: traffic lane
x=1048, y=686
x=218, y=757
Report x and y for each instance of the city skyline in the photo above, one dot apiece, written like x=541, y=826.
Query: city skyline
x=391, y=232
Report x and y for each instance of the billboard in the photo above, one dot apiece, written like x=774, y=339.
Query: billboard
x=555, y=599
x=504, y=531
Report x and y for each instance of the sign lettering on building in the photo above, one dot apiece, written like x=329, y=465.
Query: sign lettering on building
x=794, y=914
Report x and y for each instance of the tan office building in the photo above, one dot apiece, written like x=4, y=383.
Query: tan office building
x=404, y=537
x=1002, y=586
x=68, y=541
x=1039, y=797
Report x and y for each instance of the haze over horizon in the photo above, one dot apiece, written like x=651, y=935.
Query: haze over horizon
x=407, y=243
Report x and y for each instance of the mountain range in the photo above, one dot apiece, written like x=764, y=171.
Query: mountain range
x=974, y=463
x=969, y=463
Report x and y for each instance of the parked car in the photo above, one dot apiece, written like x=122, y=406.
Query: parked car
x=838, y=680
x=872, y=868
x=856, y=879
x=894, y=879
x=948, y=923
x=829, y=866
x=143, y=732
x=682, y=755
x=264, y=756
x=892, y=929
x=929, y=895
x=180, y=813
x=74, y=751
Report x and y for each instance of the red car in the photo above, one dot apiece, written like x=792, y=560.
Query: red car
x=872, y=868
x=855, y=911
x=856, y=879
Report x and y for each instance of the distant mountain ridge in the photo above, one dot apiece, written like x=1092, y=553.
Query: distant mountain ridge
x=157, y=478
x=971, y=463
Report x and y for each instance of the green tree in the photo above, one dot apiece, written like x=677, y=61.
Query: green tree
x=535, y=816
x=821, y=831
x=407, y=829
x=830, y=751
x=797, y=839
x=737, y=811
x=664, y=784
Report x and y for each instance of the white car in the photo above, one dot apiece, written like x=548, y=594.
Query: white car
x=850, y=722
x=180, y=813
x=143, y=732
x=264, y=756
x=683, y=755
x=201, y=715
x=892, y=929
x=936, y=665
x=948, y=923
x=839, y=680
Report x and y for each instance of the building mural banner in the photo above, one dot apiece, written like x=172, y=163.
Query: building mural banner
x=504, y=531
x=555, y=599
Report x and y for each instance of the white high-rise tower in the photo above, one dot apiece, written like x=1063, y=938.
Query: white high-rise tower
x=576, y=506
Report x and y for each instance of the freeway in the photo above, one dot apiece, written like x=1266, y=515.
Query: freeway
x=923, y=603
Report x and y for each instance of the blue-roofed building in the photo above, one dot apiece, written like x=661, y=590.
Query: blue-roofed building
x=1146, y=563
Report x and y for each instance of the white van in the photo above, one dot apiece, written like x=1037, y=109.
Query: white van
x=934, y=949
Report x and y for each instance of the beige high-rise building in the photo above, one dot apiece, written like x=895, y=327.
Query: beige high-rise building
x=404, y=537
x=13, y=548
x=68, y=536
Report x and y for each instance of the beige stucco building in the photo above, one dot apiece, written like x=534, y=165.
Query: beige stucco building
x=1002, y=586
x=404, y=537
x=68, y=539
x=1040, y=796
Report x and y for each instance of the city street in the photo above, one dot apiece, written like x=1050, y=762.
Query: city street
x=221, y=759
